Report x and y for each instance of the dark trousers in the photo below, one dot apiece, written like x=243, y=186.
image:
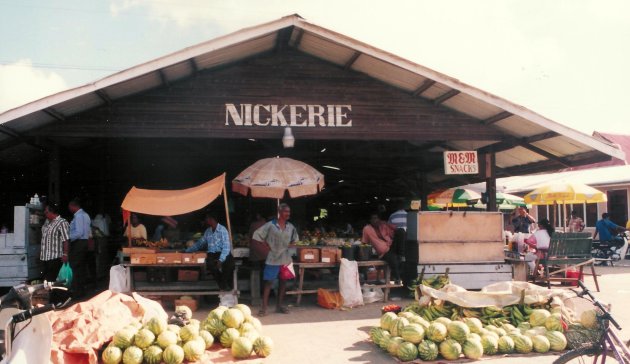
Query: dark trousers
x=78, y=263
x=51, y=270
x=222, y=276
x=393, y=260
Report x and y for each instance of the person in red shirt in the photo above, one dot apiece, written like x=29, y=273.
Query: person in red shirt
x=380, y=235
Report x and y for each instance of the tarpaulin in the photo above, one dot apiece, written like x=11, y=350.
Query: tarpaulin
x=173, y=202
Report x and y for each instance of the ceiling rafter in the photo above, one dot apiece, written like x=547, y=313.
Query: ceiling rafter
x=496, y=118
x=55, y=114
x=351, y=61
x=422, y=88
x=104, y=96
x=298, y=38
x=447, y=95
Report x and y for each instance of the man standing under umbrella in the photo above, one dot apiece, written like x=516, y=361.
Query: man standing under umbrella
x=522, y=220
x=278, y=234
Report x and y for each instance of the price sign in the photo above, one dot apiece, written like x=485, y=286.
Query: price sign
x=461, y=162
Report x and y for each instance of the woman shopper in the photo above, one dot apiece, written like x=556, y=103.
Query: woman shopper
x=277, y=234
x=539, y=241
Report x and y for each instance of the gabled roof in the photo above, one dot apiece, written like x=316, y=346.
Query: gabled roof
x=530, y=139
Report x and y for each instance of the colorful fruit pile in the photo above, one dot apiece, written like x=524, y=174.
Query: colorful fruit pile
x=453, y=332
x=160, y=342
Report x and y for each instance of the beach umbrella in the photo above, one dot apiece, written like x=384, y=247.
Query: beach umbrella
x=452, y=197
x=273, y=177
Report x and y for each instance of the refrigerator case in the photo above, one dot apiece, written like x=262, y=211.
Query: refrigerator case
x=19, y=251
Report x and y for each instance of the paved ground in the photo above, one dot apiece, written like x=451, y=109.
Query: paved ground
x=310, y=334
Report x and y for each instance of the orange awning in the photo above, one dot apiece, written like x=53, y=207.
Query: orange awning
x=173, y=202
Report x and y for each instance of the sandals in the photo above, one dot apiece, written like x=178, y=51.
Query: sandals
x=262, y=313
x=282, y=309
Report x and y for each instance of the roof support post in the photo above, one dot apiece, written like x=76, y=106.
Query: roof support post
x=193, y=65
x=491, y=180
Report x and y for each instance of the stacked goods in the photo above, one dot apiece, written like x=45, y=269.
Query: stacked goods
x=184, y=339
x=452, y=332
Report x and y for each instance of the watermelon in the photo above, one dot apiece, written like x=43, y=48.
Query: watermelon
x=419, y=320
x=450, y=349
x=263, y=346
x=524, y=326
x=473, y=349
x=156, y=326
x=215, y=327
x=244, y=309
x=541, y=344
x=167, y=338
x=557, y=340
x=384, y=342
x=588, y=319
x=474, y=324
x=506, y=344
x=123, y=338
x=242, y=348
x=407, y=351
x=406, y=314
x=413, y=333
x=174, y=328
x=436, y=332
x=246, y=326
x=207, y=338
x=188, y=332
x=132, y=355
x=143, y=339
x=538, y=317
x=428, y=350
x=173, y=354
x=443, y=320
x=228, y=336
x=376, y=333
x=112, y=355
x=523, y=344
x=217, y=313
x=397, y=326
x=193, y=350
x=501, y=332
x=554, y=322
x=392, y=345
x=153, y=355
x=458, y=330
x=387, y=319
x=490, y=344
x=195, y=322
x=233, y=317
x=255, y=322
x=508, y=327
x=473, y=336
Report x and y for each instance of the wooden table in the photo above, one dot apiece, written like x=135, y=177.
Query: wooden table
x=196, y=288
x=302, y=267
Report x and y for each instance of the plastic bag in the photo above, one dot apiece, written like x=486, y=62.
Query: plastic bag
x=372, y=293
x=286, y=272
x=349, y=285
x=328, y=299
x=119, y=279
x=228, y=300
x=65, y=275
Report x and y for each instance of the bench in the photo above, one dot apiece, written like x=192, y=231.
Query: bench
x=300, y=269
x=569, y=251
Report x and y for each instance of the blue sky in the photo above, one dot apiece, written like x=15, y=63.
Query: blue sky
x=565, y=59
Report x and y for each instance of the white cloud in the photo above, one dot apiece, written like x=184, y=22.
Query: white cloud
x=20, y=83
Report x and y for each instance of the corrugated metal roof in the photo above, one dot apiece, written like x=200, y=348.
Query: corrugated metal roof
x=339, y=49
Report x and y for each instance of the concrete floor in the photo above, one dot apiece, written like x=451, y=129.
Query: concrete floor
x=310, y=334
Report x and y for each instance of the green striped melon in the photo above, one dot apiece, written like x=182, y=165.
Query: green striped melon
x=557, y=340
x=554, y=322
x=436, y=332
x=506, y=345
x=407, y=351
x=538, y=317
x=419, y=320
x=474, y=324
x=428, y=350
x=450, y=349
x=392, y=345
x=588, y=319
x=490, y=344
x=406, y=314
x=458, y=330
x=376, y=333
x=541, y=344
x=523, y=344
x=472, y=349
x=398, y=325
x=414, y=333
x=387, y=319
x=384, y=342
x=443, y=320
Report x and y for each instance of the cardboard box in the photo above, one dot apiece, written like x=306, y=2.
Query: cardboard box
x=169, y=258
x=308, y=255
x=187, y=275
x=200, y=258
x=143, y=258
x=192, y=304
x=188, y=258
x=329, y=254
x=139, y=250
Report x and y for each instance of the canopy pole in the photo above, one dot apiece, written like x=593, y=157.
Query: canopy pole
x=227, y=211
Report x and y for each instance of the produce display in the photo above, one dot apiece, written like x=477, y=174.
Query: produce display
x=442, y=329
x=162, y=243
x=184, y=339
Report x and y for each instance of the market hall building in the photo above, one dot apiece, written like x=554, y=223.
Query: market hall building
x=375, y=124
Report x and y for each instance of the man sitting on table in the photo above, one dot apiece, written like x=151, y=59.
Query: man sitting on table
x=219, y=261
x=380, y=235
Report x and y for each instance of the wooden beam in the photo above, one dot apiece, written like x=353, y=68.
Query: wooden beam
x=193, y=65
x=546, y=154
x=282, y=40
x=447, y=95
x=425, y=86
x=351, y=61
x=104, y=96
x=298, y=38
x=511, y=142
x=10, y=132
x=54, y=113
x=541, y=136
x=163, y=78
x=17, y=139
x=500, y=116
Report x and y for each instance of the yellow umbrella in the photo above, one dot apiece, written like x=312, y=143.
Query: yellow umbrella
x=565, y=193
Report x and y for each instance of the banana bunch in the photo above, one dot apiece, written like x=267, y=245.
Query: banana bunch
x=436, y=282
x=518, y=313
x=492, y=315
x=433, y=312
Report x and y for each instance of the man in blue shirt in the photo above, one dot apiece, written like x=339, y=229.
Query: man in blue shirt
x=80, y=232
x=606, y=228
x=216, y=241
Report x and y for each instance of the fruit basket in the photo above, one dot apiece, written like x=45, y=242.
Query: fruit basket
x=391, y=308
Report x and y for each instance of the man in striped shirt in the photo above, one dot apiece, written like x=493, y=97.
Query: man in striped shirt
x=54, y=247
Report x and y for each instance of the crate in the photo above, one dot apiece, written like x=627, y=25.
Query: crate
x=200, y=258
x=143, y=258
x=187, y=275
x=308, y=255
x=139, y=250
x=169, y=258
x=192, y=304
x=188, y=258
x=329, y=254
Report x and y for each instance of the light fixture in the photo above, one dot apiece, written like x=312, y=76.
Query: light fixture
x=288, y=141
x=251, y=140
x=340, y=181
x=323, y=150
x=332, y=167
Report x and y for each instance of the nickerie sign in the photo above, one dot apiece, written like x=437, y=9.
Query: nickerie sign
x=288, y=115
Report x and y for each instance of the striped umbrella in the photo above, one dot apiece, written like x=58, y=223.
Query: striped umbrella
x=452, y=197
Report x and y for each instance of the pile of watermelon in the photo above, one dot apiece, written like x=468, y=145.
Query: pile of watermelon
x=409, y=336
x=157, y=341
